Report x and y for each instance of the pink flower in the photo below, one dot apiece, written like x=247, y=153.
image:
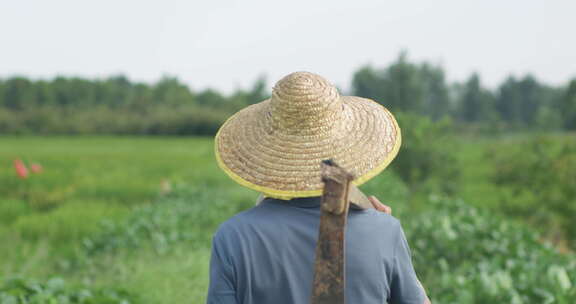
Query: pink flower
x=21, y=169
x=36, y=168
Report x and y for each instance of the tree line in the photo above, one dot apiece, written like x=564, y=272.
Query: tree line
x=71, y=105
x=518, y=103
x=116, y=105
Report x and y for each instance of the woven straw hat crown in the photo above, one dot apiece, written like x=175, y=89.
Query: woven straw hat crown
x=276, y=146
x=303, y=103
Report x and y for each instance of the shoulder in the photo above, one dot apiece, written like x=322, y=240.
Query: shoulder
x=232, y=223
x=375, y=227
x=237, y=224
x=378, y=219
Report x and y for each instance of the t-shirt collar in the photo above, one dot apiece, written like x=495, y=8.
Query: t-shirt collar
x=302, y=202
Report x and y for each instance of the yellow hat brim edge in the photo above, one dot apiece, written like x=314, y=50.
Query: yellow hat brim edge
x=287, y=195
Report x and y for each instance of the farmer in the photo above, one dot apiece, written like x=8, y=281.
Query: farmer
x=265, y=255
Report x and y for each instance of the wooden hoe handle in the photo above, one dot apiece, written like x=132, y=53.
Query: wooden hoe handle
x=329, y=277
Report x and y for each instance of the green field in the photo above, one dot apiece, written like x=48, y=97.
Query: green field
x=47, y=217
x=135, y=215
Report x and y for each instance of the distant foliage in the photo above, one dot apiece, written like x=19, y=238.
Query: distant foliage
x=467, y=255
x=421, y=88
x=427, y=155
x=567, y=105
x=116, y=106
x=529, y=104
x=155, y=120
x=540, y=178
x=475, y=103
x=405, y=86
x=55, y=290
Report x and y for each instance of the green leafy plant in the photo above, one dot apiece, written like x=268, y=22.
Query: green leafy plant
x=467, y=255
x=182, y=216
x=56, y=291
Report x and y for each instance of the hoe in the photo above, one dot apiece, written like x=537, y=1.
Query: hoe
x=338, y=196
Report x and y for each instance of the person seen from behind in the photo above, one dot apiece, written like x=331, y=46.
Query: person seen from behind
x=266, y=254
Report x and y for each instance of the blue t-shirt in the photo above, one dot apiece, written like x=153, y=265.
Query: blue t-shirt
x=265, y=255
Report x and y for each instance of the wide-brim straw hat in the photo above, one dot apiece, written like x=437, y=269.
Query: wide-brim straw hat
x=276, y=146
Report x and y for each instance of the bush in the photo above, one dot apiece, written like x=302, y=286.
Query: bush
x=190, y=214
x=462, y=254
x=467, y=255
x=427, y=156
x=55, y=290
x=152, y=120
x=538, y=176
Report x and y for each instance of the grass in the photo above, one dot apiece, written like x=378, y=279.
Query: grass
x=47, y=218
x=115, y=169
x=476, y=171
x=85, y=180
x=138, y=213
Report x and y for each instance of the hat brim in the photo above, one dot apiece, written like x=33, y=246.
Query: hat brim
x=286, y=166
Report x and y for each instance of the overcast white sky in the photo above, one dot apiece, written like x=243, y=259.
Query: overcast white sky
x=227, y=44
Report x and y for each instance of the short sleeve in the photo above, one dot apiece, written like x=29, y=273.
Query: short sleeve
x=222, y=288
x=405, y=287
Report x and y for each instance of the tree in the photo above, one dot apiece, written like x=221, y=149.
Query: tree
x=368, y=83
x=476, y=103
x=404, y=90
x=169, y=91
x=18, y=93
x=526, y=103
x=436, y=97
x=211, y=98
x=259, y=91
x=399, y=87
x=508, y=102
x=568, y=106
